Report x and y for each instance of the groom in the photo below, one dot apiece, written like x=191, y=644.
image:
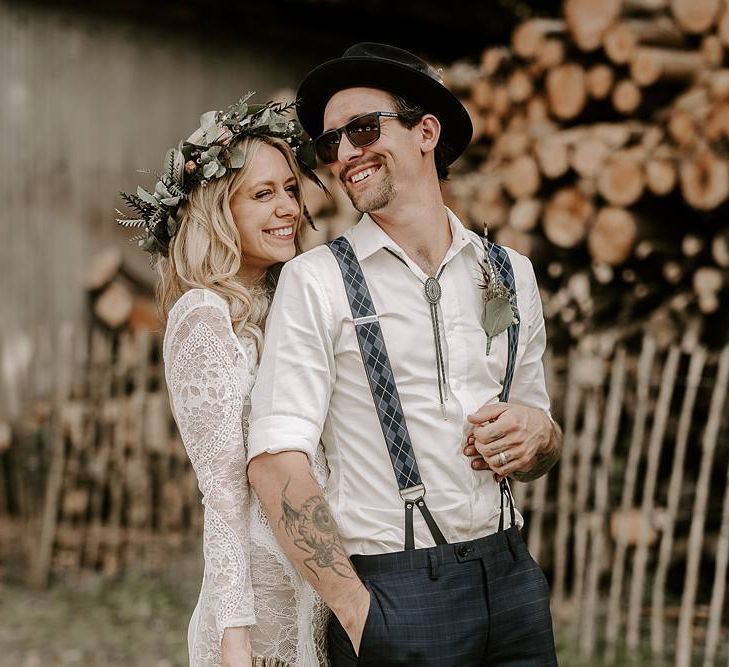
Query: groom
x=386, y=346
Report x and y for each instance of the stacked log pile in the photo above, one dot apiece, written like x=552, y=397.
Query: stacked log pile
x=600, y=151
x=118, y=298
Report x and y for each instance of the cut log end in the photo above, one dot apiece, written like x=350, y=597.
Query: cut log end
x=522, y=177
x=704, y=180
x=599, y=81
x=695, y=16
x=567, y=217
x=621, y=181
x=626, y=97
x=660, y=176
x=612, y=236
x=588, y=20
x=114, y=305
x=566, y=90
x=619, y=43
x=103, y=268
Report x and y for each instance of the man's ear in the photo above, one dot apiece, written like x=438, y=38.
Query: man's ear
x=429, y=132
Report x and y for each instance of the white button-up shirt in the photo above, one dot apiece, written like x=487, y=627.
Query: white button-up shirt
x=312, y=385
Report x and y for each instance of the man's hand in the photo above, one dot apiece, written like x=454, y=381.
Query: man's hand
x=236, y=647
x=354, y=616
x=512, y=439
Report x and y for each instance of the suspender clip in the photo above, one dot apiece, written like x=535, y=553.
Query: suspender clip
x=413, y=493
x=367, y=319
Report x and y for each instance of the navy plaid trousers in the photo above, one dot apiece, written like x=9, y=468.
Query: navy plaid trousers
x=483, y=602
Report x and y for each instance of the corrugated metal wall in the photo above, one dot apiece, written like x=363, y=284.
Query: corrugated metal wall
x=85, y=101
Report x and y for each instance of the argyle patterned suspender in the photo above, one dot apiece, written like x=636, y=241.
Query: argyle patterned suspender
x=501, y=262
x=384, y=390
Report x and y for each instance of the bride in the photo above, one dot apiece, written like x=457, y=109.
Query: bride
x=225, y=214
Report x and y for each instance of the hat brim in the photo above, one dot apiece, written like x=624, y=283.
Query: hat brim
x=353, y=72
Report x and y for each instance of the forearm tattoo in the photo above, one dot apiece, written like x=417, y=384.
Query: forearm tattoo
x=314, y=531
x=543, y=460
x=544, y=463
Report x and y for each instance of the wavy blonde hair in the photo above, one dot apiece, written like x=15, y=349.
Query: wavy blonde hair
x=206, y=251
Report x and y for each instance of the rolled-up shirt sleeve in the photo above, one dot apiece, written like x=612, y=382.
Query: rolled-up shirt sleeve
x=290, y=399
x=529, y=386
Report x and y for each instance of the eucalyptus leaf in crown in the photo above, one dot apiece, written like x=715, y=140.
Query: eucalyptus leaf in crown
x=208, y=153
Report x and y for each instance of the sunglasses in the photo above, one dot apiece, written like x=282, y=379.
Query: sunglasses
x=361, y=131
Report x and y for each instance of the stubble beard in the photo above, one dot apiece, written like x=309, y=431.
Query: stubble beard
x=373, y=199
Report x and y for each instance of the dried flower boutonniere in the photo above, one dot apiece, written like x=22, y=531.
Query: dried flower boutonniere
x=499, y=311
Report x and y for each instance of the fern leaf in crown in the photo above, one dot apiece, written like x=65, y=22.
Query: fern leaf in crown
x=208, y=153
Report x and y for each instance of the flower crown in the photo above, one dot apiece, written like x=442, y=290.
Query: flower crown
x=207, y=154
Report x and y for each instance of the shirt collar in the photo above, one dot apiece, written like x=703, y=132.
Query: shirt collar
x=368, y=237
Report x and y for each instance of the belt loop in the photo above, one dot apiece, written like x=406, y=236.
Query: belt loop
x=409, y=530
x=433, y=568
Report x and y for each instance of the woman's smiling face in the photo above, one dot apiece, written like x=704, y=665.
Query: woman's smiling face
x=266, y=212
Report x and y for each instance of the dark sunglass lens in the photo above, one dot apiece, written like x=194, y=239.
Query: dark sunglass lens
x=327, y=147
x=364, y=130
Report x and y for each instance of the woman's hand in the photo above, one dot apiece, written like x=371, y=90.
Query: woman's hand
x=236, y=647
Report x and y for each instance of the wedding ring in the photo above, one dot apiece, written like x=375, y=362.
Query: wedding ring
x=503, y=458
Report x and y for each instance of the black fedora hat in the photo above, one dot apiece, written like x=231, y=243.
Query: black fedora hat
x=388, y=68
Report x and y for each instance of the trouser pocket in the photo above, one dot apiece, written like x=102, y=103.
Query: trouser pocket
x=341, y=651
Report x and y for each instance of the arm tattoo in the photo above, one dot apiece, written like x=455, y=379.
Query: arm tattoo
x=314, y=531
x=544, y=463
x=544, y=460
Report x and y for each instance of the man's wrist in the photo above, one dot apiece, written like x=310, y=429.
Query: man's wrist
x=348, y=605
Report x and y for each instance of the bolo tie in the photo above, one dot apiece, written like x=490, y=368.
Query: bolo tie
x=433, y=292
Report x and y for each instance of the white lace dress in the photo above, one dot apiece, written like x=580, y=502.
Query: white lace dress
x=248, y=581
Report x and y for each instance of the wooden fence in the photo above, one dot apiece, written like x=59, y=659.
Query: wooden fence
x=632, y=527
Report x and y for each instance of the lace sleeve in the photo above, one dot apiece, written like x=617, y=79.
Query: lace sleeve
x=207, y=372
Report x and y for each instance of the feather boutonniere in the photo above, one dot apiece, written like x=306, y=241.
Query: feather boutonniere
x=499, y=311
